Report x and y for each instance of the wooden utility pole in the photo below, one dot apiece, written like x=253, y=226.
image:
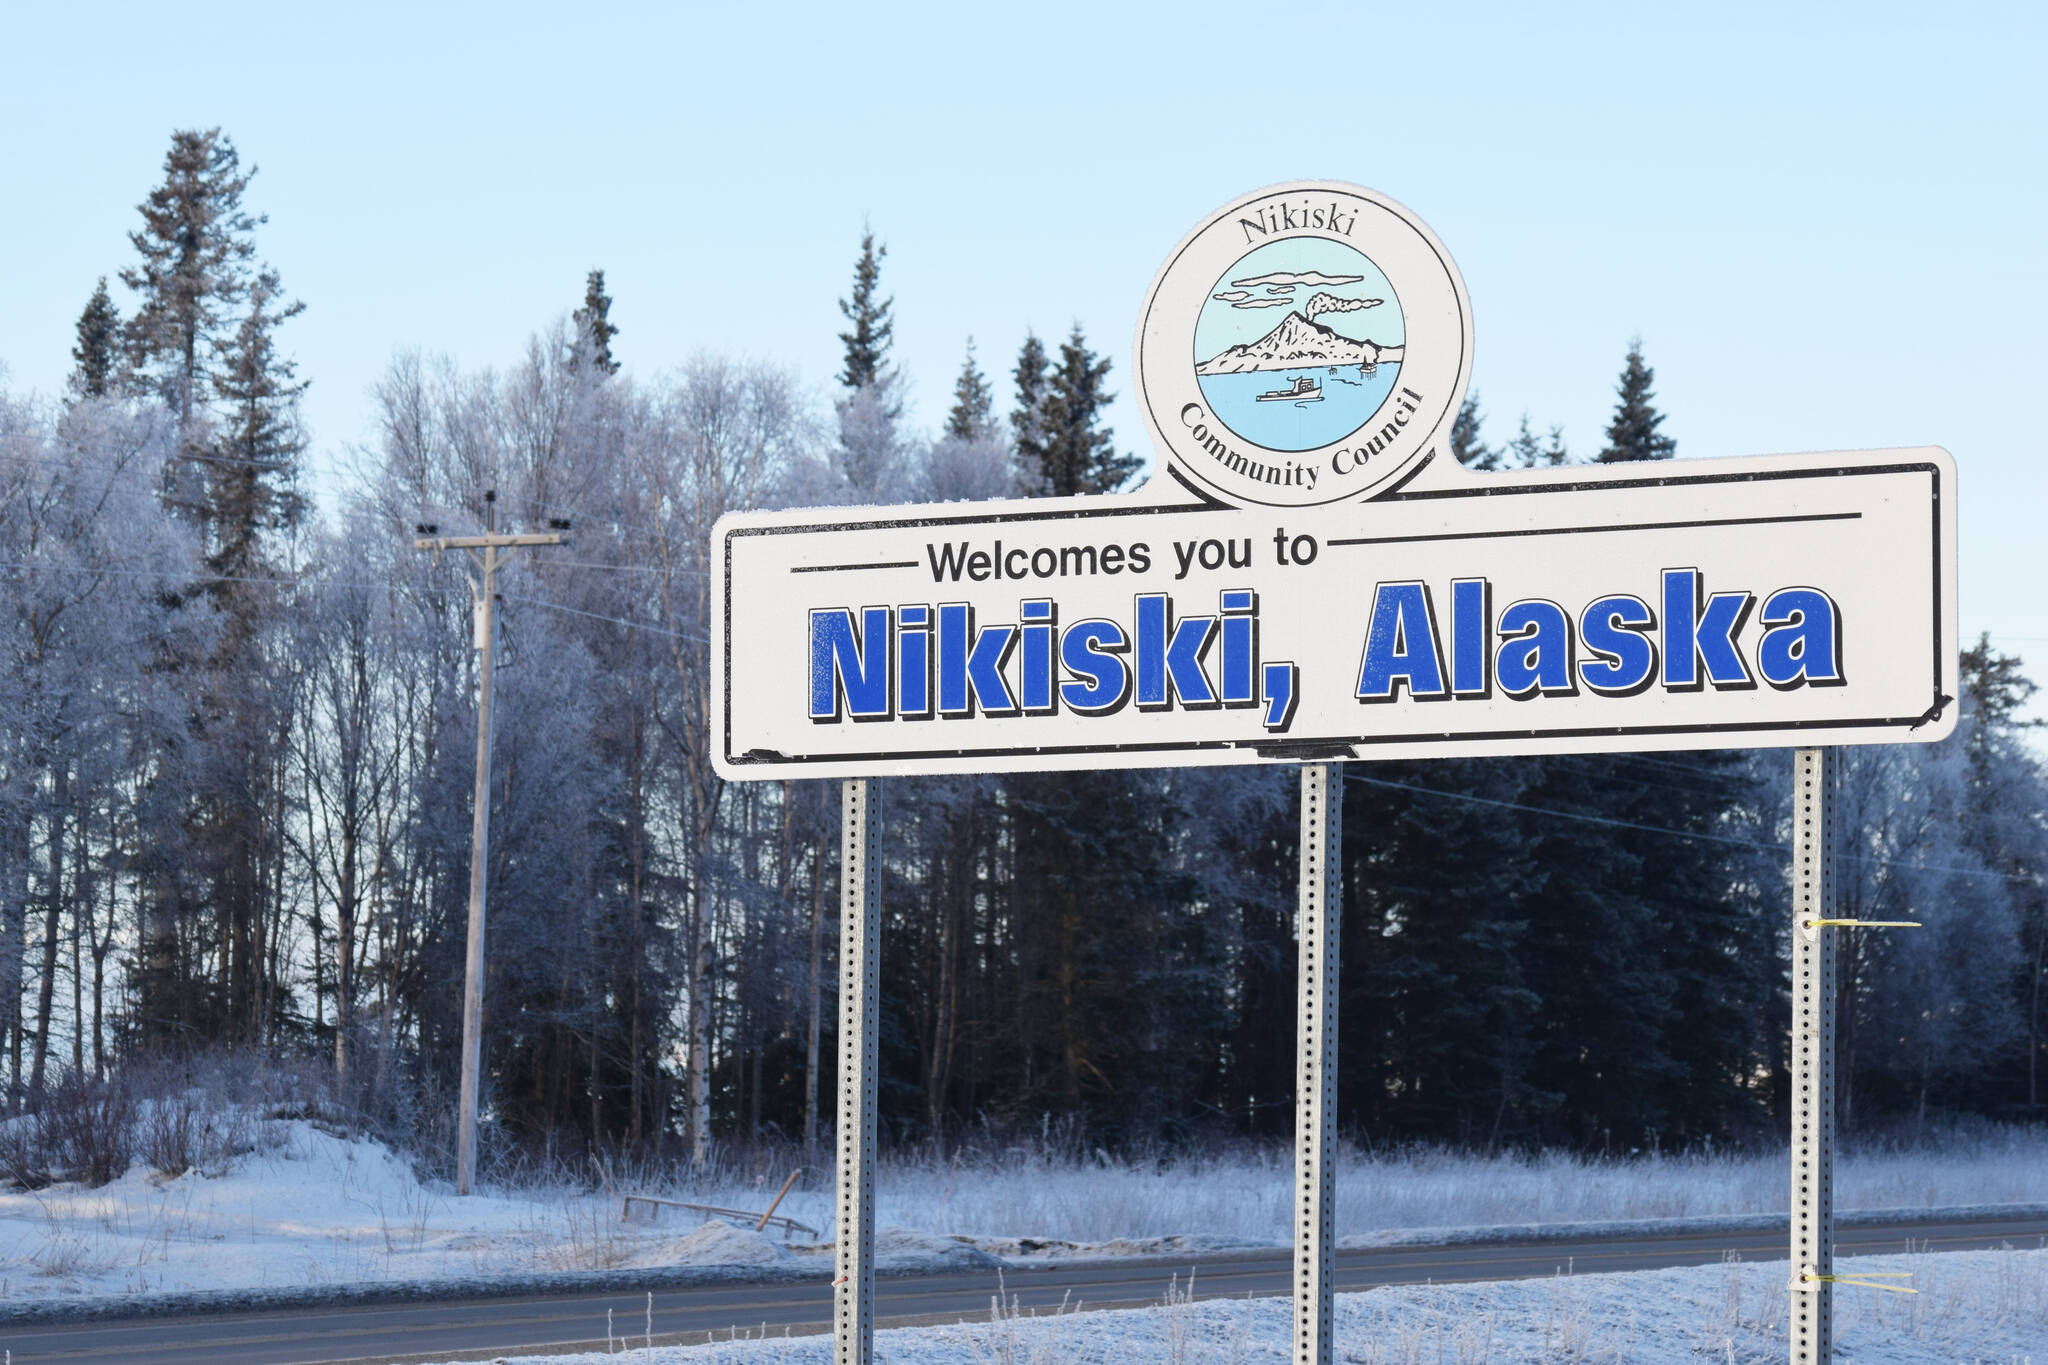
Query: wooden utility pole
x=490, y=550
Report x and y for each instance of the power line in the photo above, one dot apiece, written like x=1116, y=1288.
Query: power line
x=1561, y=814
x=1679, y=833
x=613, y=620
x=176, y=576
x=629, y=568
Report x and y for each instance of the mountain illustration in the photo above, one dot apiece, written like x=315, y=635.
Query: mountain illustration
x=1295, y=343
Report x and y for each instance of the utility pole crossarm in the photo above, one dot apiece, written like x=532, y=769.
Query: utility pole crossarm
x=504, y=542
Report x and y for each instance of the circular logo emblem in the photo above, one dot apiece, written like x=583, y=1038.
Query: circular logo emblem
x=1306, y=344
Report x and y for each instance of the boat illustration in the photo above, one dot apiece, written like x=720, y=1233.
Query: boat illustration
x=1305, y=390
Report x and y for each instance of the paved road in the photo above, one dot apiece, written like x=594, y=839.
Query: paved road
x=483, y=1328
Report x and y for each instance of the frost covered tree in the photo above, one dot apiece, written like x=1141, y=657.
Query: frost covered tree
x=956, y=470
x=873, y=457
x=967, y=461
x=90, y=591
x=2005, y=822
x=1915, y=1016
x=235, y=779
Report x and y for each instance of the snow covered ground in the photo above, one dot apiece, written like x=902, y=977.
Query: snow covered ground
x=1973, y=1308
x=307, y=1208
x=310, y=1208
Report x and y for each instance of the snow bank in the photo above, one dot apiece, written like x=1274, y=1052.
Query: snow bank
x=307, y=1208
x=905, y=1251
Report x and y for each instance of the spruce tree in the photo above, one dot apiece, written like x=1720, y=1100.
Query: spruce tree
x=1468, y=448
x=1027, y=420
x=195, y=243
x=99, y=336
x=1647, y=945
x=202, y=341
x=867, y=345
x=1079, y=454
x=973, y=402
x=1526, y=451
x=594, y=329
x=1103, y=916
x=1437, y=1020
x=253, y=477
x=1633, y=434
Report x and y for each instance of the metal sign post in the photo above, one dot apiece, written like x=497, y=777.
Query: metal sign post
x=1816, y=781
x=853, y=1285
x=1315, y=1068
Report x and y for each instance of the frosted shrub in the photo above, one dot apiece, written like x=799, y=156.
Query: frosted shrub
x=191, y=1130
x=83, y=1130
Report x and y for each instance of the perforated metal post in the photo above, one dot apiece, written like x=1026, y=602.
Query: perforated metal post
x=1816, y=783
x=853, y=1286
x=1315, y=1082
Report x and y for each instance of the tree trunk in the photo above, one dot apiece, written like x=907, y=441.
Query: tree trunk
x=345, y=916
x=635, y=1100
x=2034, y=1044
x=700, y=1032
x=81, y=861
x=46, y=988
x=814, y=989
x=13, y=945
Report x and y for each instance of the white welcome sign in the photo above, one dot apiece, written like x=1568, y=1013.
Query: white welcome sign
x=1310, y=576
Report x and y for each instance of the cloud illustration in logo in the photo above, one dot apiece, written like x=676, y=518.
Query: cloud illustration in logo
x=1231, y=296
x=1314, y=278
x=1281, y=288
x=1280, y=302
x=1330, y=303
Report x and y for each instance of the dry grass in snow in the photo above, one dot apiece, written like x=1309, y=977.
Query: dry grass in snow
x=1246, y=1195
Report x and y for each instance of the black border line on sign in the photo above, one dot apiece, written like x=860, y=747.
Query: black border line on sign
x=1545, y=531
x=1355, y=742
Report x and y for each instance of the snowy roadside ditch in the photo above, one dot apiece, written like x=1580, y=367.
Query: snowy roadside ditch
x=313, y=1218
x=1973, y=1308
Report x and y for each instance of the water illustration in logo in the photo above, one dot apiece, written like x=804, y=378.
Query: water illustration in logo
x=1299, y=343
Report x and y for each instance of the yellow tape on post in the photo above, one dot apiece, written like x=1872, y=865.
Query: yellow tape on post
x=1866, y=1279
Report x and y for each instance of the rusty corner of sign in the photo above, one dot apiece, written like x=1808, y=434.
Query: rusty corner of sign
x=1304, y=750
x=1933, y=713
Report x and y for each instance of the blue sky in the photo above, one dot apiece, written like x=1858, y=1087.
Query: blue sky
x=1825, y=221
